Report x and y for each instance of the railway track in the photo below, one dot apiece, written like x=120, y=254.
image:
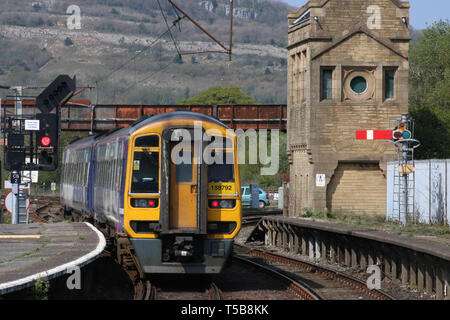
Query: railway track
x=299, y=278
x=257, y=274
x=47, y=211
x=185, y=287
x=330, y=283
x=294, y=286
x=326, y=283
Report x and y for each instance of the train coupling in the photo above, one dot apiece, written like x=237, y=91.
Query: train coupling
x=183, y=246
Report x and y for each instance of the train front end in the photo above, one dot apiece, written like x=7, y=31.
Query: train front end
x=182, y=207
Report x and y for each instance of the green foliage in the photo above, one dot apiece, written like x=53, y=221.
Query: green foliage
x=40, y=290
x=429, y=91
x=321, y=214
x=218, y=96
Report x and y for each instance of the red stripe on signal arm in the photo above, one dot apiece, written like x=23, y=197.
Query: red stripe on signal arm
x=377, y=134
x=382, y=134
x=361, y=135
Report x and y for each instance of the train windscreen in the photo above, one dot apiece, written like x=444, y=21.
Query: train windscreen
x=145, y=177
x=222, y=170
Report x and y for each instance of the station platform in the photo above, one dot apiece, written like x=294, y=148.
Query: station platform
x=32, y=251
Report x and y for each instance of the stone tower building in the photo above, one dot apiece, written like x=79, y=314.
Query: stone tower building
x=347, y=71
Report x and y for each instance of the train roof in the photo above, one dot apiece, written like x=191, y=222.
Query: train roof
x=175, y=115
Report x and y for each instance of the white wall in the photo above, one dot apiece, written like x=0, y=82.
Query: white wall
x=431, y=188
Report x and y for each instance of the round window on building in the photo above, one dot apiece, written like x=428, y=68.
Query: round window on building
x=358, y=84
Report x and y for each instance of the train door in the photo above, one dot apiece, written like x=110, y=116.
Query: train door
x=183, y=187
x=183, y=204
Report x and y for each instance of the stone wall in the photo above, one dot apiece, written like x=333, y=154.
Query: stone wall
x=355, y=41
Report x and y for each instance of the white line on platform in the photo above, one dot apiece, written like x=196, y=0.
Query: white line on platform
x=52, y=273
x=20, y=236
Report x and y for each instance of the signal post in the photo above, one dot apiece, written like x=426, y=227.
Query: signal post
x=402, y=138
x=35, y=137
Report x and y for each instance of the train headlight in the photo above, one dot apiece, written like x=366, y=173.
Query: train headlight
x=224, y=203
x=144, y=203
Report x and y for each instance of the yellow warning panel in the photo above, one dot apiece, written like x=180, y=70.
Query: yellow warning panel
x=228, y=188
x=405, y=169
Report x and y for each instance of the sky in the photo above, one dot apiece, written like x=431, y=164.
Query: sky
x=422, y=13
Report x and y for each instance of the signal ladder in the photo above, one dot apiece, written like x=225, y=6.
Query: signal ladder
x=400, y=188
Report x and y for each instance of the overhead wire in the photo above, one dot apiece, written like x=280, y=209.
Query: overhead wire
x=174, y=23
x=136, y=55
x=176, y=9
x=168, y=29
x=148, y=77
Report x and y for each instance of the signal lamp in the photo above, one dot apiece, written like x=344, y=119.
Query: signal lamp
x=46, y=141
x=407, y=134
x=397, y=134
x=215, y=204
x=45, y=158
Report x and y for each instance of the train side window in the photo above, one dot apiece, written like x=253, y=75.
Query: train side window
x=117, y=173
x=81, y=174
x=222, y=172
x=145, y=178
x=86, y=174
x=105, y=173
x=112, y=171
x=108, y=175
x=97, y=173
x=111, y=174
x=76, y=176
x=101, y=175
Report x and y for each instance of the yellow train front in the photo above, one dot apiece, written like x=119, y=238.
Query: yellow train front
x=174, y=190
x=182, y=207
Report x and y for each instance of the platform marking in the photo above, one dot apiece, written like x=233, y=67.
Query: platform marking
x=20, y=236
x=59, y=270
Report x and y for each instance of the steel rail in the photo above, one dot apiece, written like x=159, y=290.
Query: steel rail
x=299, y=289
x=329, y=273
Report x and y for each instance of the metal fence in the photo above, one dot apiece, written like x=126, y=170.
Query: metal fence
x=431, y=192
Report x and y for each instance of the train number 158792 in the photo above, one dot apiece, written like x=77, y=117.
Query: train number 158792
x=221, y=188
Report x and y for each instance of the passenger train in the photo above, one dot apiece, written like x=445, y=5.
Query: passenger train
x=156, y=190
